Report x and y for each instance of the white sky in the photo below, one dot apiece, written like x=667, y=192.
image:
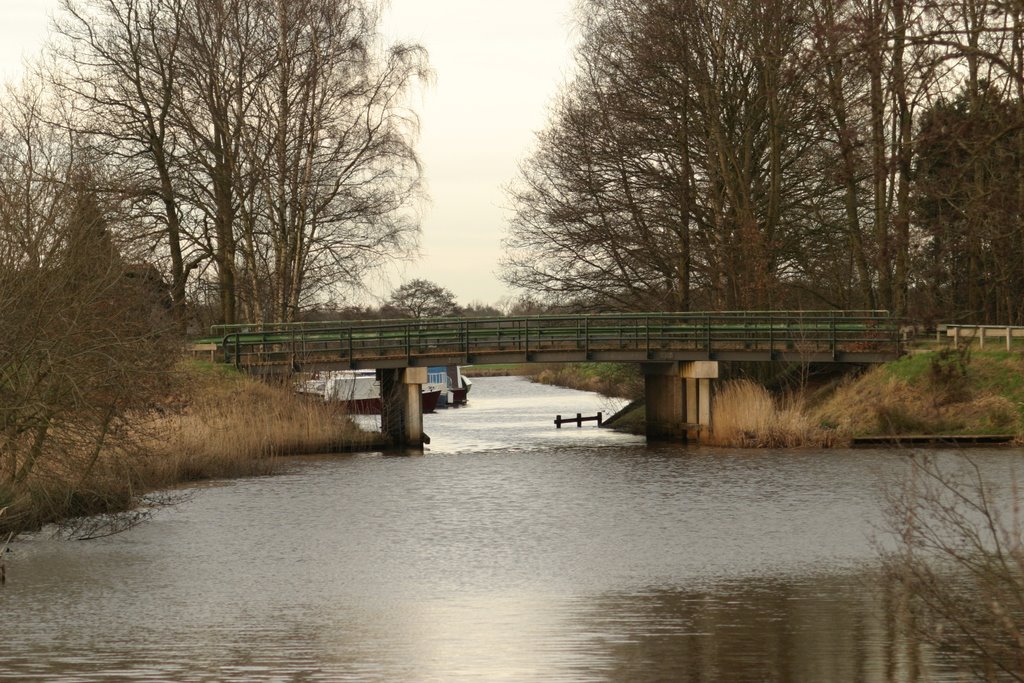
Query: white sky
x=497, y=63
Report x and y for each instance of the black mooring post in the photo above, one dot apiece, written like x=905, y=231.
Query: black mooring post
x=558, y=421
x=600, y=420
x=579, y=420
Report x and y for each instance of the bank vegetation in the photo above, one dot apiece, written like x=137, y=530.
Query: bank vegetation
x=946, y=391
x=940, y=392
x=205, y=423
x=614, y=380
x=955, y=551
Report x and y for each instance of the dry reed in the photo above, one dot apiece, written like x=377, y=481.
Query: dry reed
x=874, y=404
x=747, y=416
x=211, y=425
x=239, y=426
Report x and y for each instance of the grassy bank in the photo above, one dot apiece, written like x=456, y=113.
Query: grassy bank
x=503, y=370
x=944, y=392
x=938, y=392
x=616, y=380
x=212, y=423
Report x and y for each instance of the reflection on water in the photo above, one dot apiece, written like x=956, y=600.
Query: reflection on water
x=509, y=551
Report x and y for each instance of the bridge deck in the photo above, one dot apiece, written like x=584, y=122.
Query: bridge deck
x=820, y=337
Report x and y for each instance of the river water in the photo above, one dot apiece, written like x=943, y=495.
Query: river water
x=509, y=551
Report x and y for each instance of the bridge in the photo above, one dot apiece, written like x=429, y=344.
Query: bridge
x=679, y=352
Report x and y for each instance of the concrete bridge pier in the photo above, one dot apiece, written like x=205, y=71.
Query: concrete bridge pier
x=401, y=405
x=678, y=398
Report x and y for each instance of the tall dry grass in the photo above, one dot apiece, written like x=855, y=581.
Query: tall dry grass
x=211, y=425
x=879, y=405
x=239, y=426
x=745, y=415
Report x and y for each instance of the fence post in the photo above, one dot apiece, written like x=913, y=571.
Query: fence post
x=707, y=333
x=832, y=331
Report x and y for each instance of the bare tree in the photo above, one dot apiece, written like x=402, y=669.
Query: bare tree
x=85, y=337
x=331, y=149
x=677, y=162
x=960, y=559
x=269, y=141
x=120, y=61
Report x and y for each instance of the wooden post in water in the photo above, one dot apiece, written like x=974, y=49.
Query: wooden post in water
x=579, y=420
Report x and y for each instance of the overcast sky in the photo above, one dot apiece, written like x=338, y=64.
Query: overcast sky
x=497, y=66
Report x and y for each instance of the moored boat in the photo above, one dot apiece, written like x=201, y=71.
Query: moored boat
x=459, y=392
x=453, y=386
x=359, y=391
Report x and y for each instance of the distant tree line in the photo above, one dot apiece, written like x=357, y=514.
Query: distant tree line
x=422, y=298
x=751, y=154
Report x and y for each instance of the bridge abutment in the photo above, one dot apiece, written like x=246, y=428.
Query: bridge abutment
x=401, y=405
x=678, y=397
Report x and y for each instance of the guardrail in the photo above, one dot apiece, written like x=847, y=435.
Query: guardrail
x=968, y=333
x=843, y=336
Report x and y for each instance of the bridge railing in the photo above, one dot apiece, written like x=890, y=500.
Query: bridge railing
x=220, y=331
x=810, y=332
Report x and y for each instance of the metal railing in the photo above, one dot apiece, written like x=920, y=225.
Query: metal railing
x=870, y=336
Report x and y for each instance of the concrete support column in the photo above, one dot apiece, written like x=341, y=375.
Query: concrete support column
x=678, y=397
x=401, y=405
x=692, y=418
x=704, y=404
x=663, y=395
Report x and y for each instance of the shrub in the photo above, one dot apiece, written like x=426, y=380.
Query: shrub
x=947, y=375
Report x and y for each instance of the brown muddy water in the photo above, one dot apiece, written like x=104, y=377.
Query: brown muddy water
x=509, y=551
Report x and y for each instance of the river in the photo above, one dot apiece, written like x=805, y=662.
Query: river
x=509, y=551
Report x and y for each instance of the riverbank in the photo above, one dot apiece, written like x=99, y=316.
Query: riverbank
x=614, y=380
x=932, y=392
x=928, y=393
x=211, y=423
